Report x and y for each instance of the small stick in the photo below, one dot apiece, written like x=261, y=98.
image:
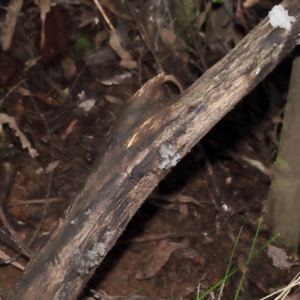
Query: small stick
x=31, y=202
x=9, y=260
x=111, y=26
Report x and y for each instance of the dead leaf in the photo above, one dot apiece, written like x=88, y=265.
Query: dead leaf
x=259, y=165
x=52, y=166
x=100, y=37
x=11, y=18
x=202, y=16
x=158, y=258
x=279, y=257
x=114, y=100
x=249, y=3
x=5, y=119
x=228, y=180
x=7, y=68
x=69, y=67
x=116, y=45
x=190, y=253
x=168, y=36
x=117, y=79
x=87, y=104
x=19, y=111
x=30, y=63
x=184, y=211
x=69, y=129
x=186, y=199
x=22, y=91
x=47, y=99
x=87, y=17
x=99, y=56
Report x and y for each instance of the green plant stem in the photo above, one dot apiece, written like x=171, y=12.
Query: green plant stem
x=248, y=260
x=238, y=268
x=230, y=260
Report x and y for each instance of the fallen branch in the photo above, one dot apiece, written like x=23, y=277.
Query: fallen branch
x=128, y=169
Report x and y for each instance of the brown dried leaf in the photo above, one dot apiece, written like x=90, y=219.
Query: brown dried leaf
x=99, y=56
x=202, y=16
x=116, y=80
x=158, y=258
x=249, y=3
x=168, y=36
x=7, y=68
x=30, y=63
x=184, y=211
x=116, y=45
x=100, y=37
x=47, y=99
x=22, y=91
x=5, y=119
x=114, y=100
x=69, y=129
x=69, y=67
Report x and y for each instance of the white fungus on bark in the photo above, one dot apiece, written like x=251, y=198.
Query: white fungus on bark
x=279, y=18
x=83, y=262
x=169, y=156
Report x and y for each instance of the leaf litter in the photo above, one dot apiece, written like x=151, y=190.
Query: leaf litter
x=110, y=63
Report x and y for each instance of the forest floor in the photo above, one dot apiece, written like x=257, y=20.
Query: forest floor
x=65, y=95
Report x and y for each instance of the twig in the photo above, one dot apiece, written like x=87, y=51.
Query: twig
x=284, y=291
x=109, y=24
x=10, y=91
x=31, y=202
x=168, y=235
x=9, y=260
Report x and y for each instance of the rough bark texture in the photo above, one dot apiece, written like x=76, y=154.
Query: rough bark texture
x=283, y=202
x=127, y=171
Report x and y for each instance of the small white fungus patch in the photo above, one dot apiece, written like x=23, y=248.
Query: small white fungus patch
x=83, y=262
x=279, y=18
x=225, y=207
x=74, y=221
x=169, y=156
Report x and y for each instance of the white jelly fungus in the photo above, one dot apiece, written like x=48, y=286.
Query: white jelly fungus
x=169, y=156
x=279, y=18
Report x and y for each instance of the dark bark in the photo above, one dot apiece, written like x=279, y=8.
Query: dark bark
x=127, y=171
